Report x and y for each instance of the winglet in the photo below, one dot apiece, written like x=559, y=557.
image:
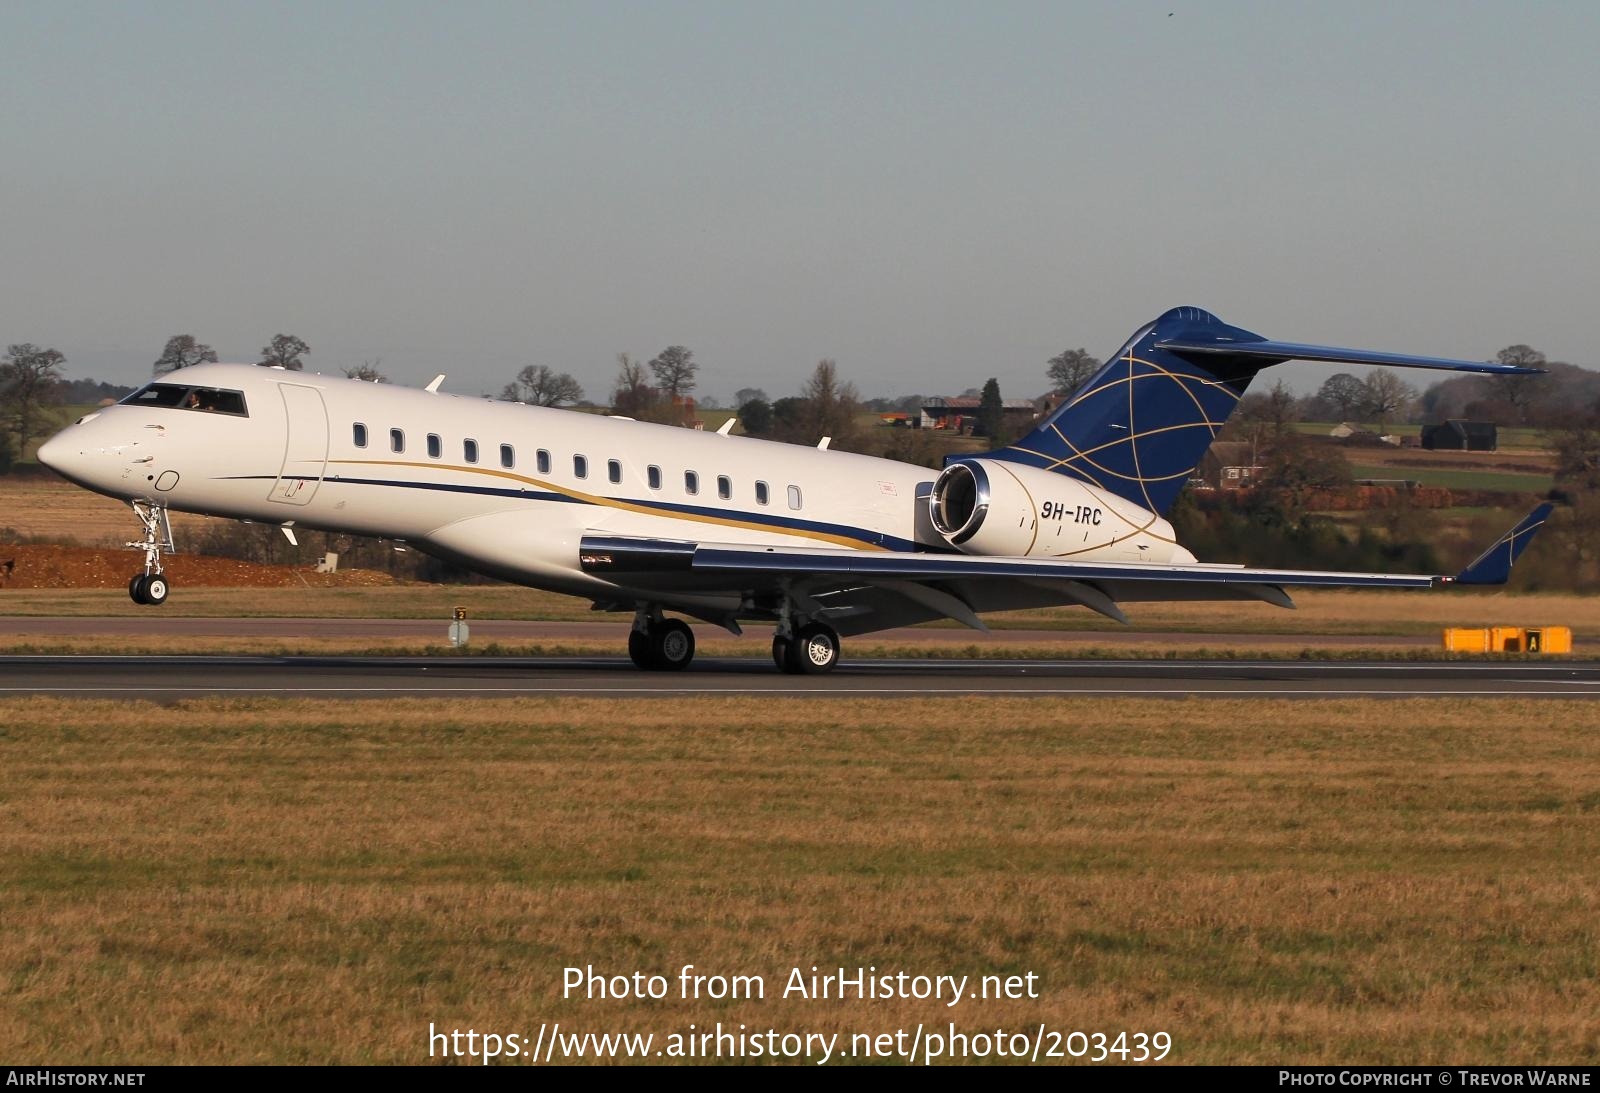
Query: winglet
x=1493, y=566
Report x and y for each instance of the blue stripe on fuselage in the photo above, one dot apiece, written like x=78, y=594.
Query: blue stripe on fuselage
x=666, y=508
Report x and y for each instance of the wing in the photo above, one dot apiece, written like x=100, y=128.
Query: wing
x=860, y=591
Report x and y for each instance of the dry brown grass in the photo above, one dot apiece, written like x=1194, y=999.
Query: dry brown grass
x=43, y=505
x=1419, y=614
x=1269, y=881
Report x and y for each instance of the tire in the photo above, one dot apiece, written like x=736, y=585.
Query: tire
x=136, y=589
x=780, y=653
x=815, y=650
x=639, y=650
x=671, y=645
x=155, y=590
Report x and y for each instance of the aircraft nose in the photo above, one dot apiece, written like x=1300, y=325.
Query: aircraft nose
x=53, y=451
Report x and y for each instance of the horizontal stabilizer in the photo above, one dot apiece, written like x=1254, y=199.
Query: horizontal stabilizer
x=1493, y=566
x=1277, y=352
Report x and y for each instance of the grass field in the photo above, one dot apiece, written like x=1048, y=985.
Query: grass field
x=1465, y=479
x=258, y=881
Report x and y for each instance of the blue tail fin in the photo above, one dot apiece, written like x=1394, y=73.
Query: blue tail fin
x=1141, y=424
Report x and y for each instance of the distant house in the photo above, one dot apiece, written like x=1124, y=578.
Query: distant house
x=1461, y=436
x=1227, y=466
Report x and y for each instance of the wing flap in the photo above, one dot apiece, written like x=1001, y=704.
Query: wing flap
x=865, y=565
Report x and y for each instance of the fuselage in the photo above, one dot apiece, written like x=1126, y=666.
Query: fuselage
x=507, y=489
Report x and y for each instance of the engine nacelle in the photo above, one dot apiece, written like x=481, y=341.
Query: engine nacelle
x=996, y=508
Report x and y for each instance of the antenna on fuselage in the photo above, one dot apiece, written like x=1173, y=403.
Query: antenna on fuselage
x=727, y=426
x=433, y=387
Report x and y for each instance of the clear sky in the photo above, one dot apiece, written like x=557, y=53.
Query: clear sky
x=930, y=193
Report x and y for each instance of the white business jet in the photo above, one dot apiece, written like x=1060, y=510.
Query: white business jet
x=650, y=518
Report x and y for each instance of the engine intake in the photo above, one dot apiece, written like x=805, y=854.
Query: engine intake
x=960, y=501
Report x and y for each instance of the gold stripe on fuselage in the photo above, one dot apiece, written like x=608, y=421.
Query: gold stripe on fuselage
x=614, y=503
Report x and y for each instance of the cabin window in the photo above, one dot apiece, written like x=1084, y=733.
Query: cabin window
x=655, y=477
x=794, y=497
x=761, y=493
x=358, y=433
x=580, y=466
x=544, y=461
x=724, y=487
x=397, y=440
x=614, y=470
x=469, y=450
x=435, y=446
x=508, y=456
x=691, y=482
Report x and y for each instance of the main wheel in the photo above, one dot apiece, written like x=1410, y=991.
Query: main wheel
x=155, y=590
x=671, y=645
x=639, y=650
x=815, y=650
x=780, y=652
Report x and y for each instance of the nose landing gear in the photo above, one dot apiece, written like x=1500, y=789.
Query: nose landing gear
x=150, y=587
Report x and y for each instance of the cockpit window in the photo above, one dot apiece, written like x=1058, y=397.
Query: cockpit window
x=211, y=400
x=157, y=394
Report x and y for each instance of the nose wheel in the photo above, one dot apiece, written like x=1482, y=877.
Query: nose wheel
x=150, y=587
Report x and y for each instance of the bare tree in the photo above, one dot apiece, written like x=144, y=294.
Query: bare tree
x=631, y=393
x=1518, y=391
x=1070, y=369
x=674, y=368
x=284, y=351
x=367, y=371
x=1576, y=440
x=29, y=377
x=1387, y=396
x=540, y=386
x=183, y=351
x=825, y=407
x=1345, y=392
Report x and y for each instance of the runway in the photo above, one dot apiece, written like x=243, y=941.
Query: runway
x=172, y=678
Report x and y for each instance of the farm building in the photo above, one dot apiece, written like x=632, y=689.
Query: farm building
x=960, y=413
x=1461, y=436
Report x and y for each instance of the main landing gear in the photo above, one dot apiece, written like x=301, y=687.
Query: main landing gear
x=150, y=587
x=660, y=645
x=811, y=650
